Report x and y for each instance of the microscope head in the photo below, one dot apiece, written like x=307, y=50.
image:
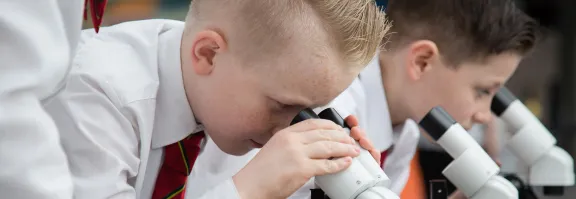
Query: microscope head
x=548, y=165
x=364, y=179
x=472, y=171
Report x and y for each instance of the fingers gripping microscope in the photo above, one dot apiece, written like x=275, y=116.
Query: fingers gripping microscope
x=364, y=179
x=545, y=164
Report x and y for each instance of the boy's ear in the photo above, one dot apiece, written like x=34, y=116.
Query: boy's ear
x=205, y=45
x=422, y=57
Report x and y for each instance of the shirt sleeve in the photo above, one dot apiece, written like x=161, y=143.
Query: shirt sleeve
x=99, y=136
x=34, y=57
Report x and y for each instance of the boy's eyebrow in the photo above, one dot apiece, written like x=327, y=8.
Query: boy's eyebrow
x=497, y=85
x=494, y=86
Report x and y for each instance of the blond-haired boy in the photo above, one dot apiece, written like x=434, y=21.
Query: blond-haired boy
x=236, y=71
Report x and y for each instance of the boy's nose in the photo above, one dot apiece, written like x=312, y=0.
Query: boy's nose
x=482, y=117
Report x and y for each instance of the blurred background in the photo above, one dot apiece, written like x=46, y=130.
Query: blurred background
x=118, y=11
x=544, y=81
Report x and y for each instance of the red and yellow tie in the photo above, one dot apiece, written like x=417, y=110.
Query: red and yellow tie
x=179, y=159
x=96, y=11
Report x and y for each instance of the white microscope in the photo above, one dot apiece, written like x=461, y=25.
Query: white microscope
x=472, y=171
x=364, y=179
x=545, y=164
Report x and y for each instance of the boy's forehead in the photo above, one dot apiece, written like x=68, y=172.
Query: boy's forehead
x=497, y=68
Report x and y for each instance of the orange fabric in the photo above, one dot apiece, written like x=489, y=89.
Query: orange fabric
x=133, y=7
x=414, y=188
x=122, y=11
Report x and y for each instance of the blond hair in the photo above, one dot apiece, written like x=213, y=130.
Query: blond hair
x=357, y=27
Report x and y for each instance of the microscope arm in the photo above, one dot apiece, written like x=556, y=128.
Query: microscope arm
x=473, y=171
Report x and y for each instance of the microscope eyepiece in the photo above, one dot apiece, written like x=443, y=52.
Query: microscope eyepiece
x=501, y=101
x=437, y=122
x=332, y=115
x=304, y=115
x=328, y=114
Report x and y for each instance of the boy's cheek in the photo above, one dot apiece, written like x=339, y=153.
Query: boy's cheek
x=462, y=115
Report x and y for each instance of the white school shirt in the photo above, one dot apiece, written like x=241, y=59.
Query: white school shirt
x=366, y=98
x=37, y=38
x=123, y=103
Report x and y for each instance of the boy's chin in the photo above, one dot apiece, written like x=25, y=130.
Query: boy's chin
x=236, y=150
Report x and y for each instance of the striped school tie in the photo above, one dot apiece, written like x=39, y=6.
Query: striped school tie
x=179, y=159
x=383, y=157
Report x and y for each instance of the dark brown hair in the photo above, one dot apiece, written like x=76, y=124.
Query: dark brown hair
x=463, y=30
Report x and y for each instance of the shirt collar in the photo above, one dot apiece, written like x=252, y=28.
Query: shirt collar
x=378, y=114
x=174, y=119
x=407, y=127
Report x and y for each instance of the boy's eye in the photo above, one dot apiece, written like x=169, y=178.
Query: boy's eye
x=482, y=92
x=281, y=106
x=277, y=105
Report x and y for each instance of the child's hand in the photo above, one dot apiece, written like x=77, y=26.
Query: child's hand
x=294, y=155
x=360, y=136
